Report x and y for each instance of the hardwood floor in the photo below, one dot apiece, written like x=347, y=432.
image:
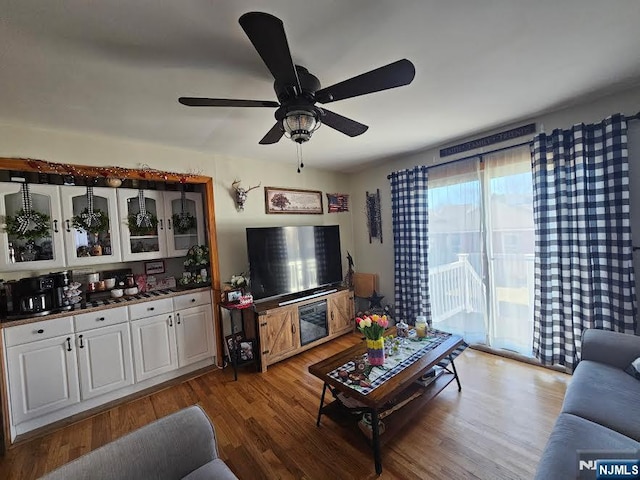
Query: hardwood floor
x=495, y=428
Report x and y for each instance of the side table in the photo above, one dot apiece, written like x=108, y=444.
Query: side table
x=235, y=310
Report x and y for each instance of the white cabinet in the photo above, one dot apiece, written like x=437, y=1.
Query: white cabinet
x=158, y=224
x=104, y=360
x=142, y=224
x=43, y=377
x=154, y=346
x=23, y=251
x=194, y=334
x=184, y=222
x=98, y=243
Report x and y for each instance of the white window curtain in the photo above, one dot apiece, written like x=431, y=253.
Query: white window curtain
x=481, y=249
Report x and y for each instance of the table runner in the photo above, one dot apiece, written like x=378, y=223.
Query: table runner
x=409, y=353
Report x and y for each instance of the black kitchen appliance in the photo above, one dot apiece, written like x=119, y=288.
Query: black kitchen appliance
x=36, y=296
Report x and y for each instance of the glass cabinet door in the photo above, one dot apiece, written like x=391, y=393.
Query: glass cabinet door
x=142, y=224
x=90, y=225
x=184, y=220
x=31, y=237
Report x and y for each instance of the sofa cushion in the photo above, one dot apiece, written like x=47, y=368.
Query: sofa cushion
x=605, y=395
x=570, y=434
x=634, y=369
x=215, y=469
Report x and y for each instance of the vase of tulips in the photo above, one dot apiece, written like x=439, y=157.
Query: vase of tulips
x=373, y=327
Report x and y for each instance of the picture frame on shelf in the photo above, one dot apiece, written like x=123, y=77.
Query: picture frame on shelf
x=290, y=200
x=247, y=351
x=238, y=337
x=154, y=268
x=232, y=296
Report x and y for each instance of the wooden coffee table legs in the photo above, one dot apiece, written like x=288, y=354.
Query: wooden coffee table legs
x=375, y=430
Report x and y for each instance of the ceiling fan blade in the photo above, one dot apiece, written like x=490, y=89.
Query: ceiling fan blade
x=225, y=102
x=273, y=136
x=266, y=32
x=395, y=74
x=343, y=124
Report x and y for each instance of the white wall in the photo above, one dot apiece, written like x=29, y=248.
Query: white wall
x=378, y=258
x=79, y=148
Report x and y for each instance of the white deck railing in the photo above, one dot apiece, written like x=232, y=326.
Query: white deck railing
x=456, y=287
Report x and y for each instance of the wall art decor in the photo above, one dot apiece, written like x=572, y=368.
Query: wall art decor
x=337, y=202
x=154, y=268
x=288, y=200
x=374, y=217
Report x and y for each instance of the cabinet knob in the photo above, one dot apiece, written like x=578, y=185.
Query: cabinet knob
x=263, y=324
x=170, y=321
x=68, y=225
x=55, y=226
x=101, y=319
x=193, y=300
x=68, y=344
x=265, y=352
x=151, y=309
x=81, y=344
x=40, y=331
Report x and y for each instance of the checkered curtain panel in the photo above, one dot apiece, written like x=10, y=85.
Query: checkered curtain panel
x=410, y=230
x=583, y=253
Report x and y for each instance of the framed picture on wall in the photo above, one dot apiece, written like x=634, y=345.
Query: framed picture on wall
x=289, y=200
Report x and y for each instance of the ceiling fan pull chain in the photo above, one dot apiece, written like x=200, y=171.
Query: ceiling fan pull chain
x=299, y=154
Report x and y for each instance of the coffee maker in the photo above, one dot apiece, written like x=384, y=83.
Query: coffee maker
x=36, y=296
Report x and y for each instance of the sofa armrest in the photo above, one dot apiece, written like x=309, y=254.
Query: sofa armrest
x=168, y=448
x=612, y=348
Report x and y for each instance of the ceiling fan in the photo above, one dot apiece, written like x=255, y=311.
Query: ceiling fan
x=298, y=91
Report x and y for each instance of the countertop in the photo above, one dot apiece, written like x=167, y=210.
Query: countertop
x=85, y=307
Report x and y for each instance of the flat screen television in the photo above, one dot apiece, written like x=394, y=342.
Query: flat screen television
x=287, y=260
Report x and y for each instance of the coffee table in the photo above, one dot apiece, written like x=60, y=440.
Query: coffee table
x=389, y=398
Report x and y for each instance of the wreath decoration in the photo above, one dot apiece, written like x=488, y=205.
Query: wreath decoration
x=183, y=222
x=146, y=227
x=28, y=225
x=96, y=223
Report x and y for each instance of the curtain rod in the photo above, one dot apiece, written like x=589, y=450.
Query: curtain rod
x=496, y=150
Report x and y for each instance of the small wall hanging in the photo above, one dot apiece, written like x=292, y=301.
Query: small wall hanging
x=374, y=217
x=338, y=202
x=143, y=222
x=241, y=194
x=183, y=222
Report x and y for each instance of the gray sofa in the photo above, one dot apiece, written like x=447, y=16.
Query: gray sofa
x=601, y=409
x=179, y=446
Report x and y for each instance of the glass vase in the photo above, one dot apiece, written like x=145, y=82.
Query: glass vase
x=375, y=351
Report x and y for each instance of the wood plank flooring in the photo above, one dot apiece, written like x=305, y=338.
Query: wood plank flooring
x=495, y=428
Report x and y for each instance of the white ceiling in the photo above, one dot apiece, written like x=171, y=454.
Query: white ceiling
x=117, y=68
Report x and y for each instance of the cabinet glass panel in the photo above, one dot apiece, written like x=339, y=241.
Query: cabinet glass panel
x=143, y=229
x=96, y=241
x=184, y=223
x=31, y=246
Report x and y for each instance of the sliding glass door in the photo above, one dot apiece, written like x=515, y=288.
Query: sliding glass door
x=481, y=242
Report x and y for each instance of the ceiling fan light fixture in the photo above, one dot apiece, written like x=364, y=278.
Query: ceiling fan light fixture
x=299, y=125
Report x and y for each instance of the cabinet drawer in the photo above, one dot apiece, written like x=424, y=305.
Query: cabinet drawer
x=149, y=309
x=191, y=300
x=33, y=332
x=101, y=318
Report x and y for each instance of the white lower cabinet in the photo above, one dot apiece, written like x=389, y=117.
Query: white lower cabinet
x=154, y=346
x=194, y=334
x=60, y=367
x=104, y=360
x=43, y=377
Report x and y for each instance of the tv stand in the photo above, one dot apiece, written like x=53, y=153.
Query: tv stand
x=307, y=297
x=278, y=324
